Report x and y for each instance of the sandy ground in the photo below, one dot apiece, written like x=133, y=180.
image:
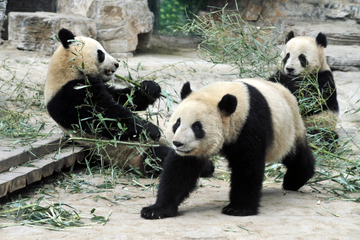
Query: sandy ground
x=292, y=215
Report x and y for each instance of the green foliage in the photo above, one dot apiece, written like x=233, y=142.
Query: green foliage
x=227, y=38
x=176, y=12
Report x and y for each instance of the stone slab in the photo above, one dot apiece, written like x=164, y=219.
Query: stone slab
x=24, y=154
x=32, y=31
x=40, y=168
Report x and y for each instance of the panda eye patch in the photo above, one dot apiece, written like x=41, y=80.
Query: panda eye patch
x=286, y=58
x=101, y=55
x=303, y=61
x=176, y=125
x=198, y=129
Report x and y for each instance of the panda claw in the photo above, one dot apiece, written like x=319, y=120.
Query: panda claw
x=155, y=212
x=238, y=211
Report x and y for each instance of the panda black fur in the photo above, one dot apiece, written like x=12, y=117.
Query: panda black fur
x=303, y=59
x=75, y=92
x=249, y=122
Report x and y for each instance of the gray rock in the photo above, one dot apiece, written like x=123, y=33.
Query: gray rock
x=78, y=7
x=348, y=90
x=343, y=58
x=32, y=31
x=2, y=15
x=119, y=22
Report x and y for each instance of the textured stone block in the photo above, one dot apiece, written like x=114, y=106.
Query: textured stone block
x=32, y=31
x=119, y=22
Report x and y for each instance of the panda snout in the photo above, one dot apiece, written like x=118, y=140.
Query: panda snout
x=116, y=65
x=178, y=144
x=290, y=70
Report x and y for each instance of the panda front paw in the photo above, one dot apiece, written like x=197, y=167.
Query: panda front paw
x=148, y=130
x=235, y=210
x=158, y=212
x=152, y=89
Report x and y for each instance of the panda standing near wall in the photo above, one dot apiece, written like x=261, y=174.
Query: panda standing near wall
x=305, y=72
x=250, y=122
x=78, y=99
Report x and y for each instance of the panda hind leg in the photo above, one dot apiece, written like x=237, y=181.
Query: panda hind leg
x=300, y=166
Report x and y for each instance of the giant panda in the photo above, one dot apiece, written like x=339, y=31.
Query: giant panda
x=250, y=122
x=305, y=72
x=79, y=100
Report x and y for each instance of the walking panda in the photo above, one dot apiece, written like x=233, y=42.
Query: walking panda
x=250, y=122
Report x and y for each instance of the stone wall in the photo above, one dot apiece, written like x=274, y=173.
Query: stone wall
x=116, y=24
x=2, y=14
x=279, y=11
x=119, y=22
x=32, y=31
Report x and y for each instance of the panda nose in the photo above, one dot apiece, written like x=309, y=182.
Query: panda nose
x=290, y=70
x=116, y=65
x=178, y=144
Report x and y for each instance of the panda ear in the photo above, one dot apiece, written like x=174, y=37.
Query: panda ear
x=185, y=91
x=227, y=105
x=289, y=36
x=65, y=35
x=321, y=40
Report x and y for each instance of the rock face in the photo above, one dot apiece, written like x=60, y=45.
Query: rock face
x=32, y=31
x=116, y=24
x=119, y=22
x=2, y=14
x=78, y=7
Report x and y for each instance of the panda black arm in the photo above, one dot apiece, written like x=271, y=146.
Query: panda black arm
x=285, y=80
x=110, y=109
x=328, y=88
x=177, y=181
x=142, y=97
x=77, y=106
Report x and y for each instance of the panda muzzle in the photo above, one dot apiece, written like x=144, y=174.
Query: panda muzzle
x=109, y=72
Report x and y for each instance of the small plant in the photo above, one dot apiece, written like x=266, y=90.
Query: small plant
x=228, y=39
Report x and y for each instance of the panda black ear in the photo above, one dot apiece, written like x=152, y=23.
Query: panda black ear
x=289, y=36
x=227, y=105
x=185, y=91
x=321, y=40
x=65, y=35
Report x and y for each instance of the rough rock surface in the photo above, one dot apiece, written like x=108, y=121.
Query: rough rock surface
x=119, y=22
x=79, y=7
x=32, y=31
x=2, y=14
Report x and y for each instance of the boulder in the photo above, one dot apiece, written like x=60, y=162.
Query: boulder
x=119, y=22
x=2, y=14
x=79, y=7
x=343, y=58
x=32, y=31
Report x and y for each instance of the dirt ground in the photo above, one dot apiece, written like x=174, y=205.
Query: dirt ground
x=292, y=215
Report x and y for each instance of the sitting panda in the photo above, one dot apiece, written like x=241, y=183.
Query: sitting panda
x=305, y=72
x=250, y=122
x=78, y=98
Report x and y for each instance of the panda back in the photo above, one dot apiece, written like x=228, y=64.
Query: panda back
x=285, y=117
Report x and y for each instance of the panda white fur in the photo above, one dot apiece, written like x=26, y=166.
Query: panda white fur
x=250, y=122
x=78, y=99
x=305, y=72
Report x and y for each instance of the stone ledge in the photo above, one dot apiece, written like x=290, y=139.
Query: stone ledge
x=32, y=31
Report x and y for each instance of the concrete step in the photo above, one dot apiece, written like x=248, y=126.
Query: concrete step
x=41, y=161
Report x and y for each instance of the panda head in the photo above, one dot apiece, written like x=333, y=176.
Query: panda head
x=75, y=57
x=304, y=55
x=197, y=127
